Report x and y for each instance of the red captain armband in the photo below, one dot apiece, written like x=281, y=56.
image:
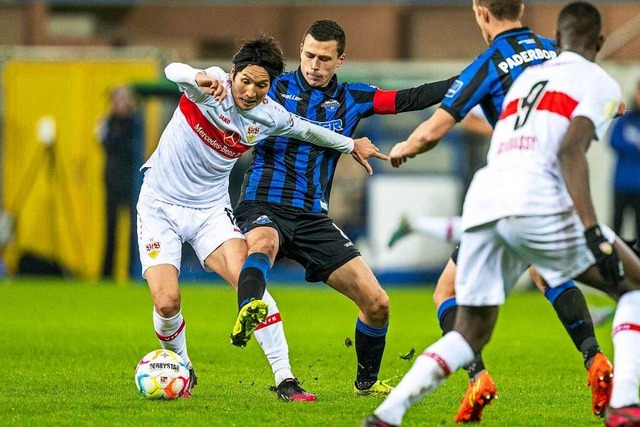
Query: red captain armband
x=384, y=101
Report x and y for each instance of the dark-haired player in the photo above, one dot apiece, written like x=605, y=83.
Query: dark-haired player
x=185, y=197
x=512, y=49
x=284, y=205
x=531, y=204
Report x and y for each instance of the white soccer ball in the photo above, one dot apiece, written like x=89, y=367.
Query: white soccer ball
x=162, y=374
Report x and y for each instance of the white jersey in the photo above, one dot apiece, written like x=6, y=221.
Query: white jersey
x=205, y=138
x=522, y=176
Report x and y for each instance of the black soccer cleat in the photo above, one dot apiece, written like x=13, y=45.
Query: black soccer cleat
x=289, y=390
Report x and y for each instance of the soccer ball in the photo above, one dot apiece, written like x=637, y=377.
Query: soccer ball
x=162, y=374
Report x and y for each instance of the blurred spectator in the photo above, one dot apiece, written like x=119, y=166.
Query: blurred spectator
x=625, y=140
x=117, y=134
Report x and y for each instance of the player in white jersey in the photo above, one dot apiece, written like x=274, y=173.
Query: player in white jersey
x=531, y=205
x=185, y=198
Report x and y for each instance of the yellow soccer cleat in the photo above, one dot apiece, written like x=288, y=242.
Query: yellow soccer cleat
x=249, y=317
x=379, y=388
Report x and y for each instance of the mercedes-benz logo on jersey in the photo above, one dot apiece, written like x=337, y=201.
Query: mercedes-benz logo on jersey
x=230, y=138
x=330, y=105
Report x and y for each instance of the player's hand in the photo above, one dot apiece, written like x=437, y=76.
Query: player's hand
x=606, y=256
x=363, y=149
x=211, y=86
x=396, y=155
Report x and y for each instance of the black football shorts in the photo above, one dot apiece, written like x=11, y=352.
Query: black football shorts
x=311, y=239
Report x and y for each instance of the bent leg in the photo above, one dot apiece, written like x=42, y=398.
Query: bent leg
x=227, y=261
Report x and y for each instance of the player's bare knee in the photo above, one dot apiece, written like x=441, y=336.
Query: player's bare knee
x=265, y=245
x=167, y=305
x=378, y=309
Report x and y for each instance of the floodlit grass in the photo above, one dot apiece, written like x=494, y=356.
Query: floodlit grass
x=71, y=348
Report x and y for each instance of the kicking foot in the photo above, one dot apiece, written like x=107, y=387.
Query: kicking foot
x=249, y=317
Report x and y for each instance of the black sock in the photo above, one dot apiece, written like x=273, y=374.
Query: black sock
x=572, y=311
x=369, y=351
x=475, y=367
x=251, y=285
x=589, y=349
x=447, y=318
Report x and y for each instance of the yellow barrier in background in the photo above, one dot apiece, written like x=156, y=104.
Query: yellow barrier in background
x=53, y=161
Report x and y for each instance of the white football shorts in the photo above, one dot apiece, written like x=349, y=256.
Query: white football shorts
x=493, y=256
x=163, y=227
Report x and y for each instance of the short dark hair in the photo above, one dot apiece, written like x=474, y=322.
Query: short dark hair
x=581, y=20
x=326, y=30
x=503, y=9
x=263, y=51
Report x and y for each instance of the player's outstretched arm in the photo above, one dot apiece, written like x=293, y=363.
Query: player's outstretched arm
x=199, y=85
x=423, y=138
x=211, y=86
x=421, y=97
x=363, y=150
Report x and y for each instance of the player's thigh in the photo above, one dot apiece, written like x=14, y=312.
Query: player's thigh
x=555, y=244
x=487, y=268
x=322, y=248
x=227, y=260
x=159, y=235
x=217, y=228
x=266, y=226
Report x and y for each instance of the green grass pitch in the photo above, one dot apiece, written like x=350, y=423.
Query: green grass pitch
x=70, y=350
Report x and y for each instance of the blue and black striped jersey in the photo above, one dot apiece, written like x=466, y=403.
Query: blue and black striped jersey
x=488, y=78
x=298, y=174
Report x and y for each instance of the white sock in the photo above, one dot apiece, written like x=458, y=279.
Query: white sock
x=270, y=336
x=626, y=346
x=172, y=334
x=430, y=369
x=445, y=228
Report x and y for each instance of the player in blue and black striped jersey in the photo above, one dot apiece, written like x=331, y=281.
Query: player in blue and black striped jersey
x=512, y=48
x=285, y=197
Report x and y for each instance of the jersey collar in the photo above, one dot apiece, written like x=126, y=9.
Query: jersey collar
x=512, y=32
x=329, y=89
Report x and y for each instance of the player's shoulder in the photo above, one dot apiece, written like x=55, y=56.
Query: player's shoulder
x=216, y=72
x=287, y=75
x=268, y=112
x=356, y=87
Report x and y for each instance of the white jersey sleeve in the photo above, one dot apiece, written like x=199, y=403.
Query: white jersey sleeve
x=292, y=125
x=185, y=77
x=600, y=102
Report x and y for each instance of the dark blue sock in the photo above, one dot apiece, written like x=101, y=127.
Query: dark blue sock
x=571, y=308
x=253, y=278
x=447, y=314
x=370, y=343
